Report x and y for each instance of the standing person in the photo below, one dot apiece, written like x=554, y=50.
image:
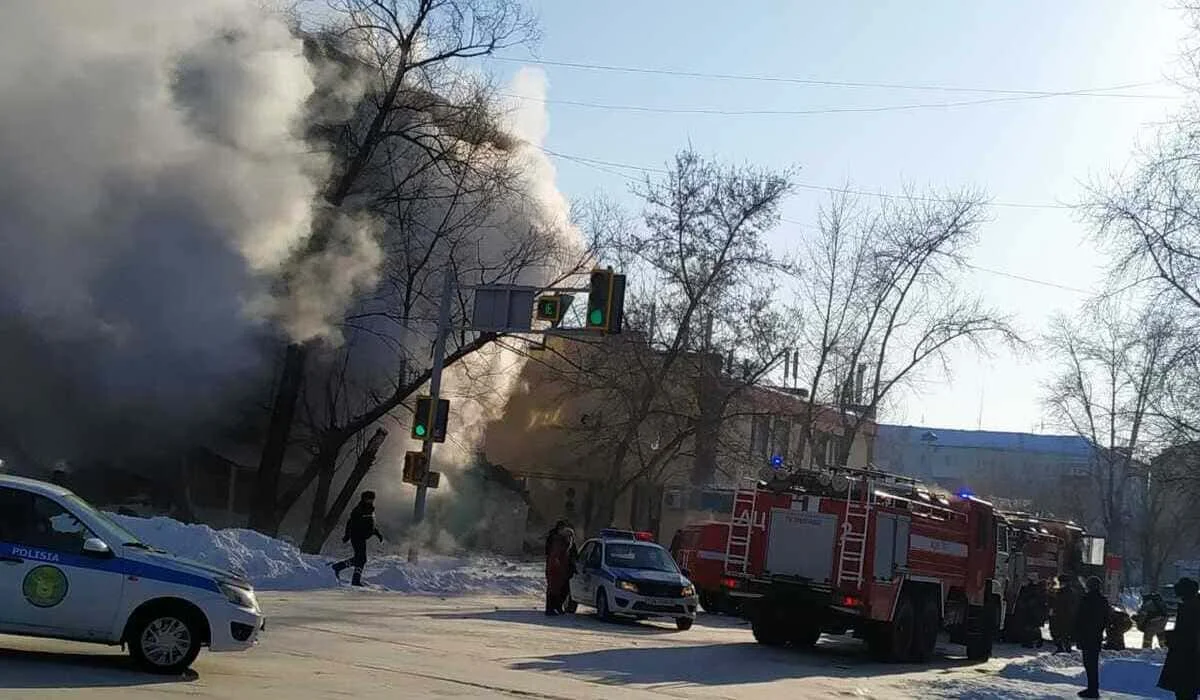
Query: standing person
x=1152, y=620
x=1062, y=617
x=360, y=527
x=560, y=559
x=1090, y=623
x=1181, y=671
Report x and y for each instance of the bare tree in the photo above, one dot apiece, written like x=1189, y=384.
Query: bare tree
x=700, y=275
x=403, y=53
x=1115, y=368
x=882, y=301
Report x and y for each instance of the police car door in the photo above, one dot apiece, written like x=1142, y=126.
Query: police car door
x=579, y=577
x=48, y=583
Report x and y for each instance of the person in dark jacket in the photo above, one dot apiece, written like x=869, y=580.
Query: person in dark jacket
x=1062, y=615
x=1181, y=671
x=1119, y=623
x=360, y=527
x=1090, y=623
x=560, y=564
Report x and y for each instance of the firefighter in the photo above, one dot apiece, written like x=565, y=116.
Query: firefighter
x=560, y=564
x=1030, y=613
x=1090, y=623
x=1181, y=671
x=360, y=527
x=1151, y=620
x=1062, y=616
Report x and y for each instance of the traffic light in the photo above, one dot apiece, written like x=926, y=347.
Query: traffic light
x=429, y=421
x=606, y=301
x=415, y=468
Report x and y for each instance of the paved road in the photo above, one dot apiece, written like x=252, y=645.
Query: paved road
x=362, y=644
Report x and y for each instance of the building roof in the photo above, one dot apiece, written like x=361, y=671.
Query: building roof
x=1068, y=445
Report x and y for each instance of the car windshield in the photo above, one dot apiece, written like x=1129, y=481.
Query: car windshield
x=629, y=555
x=112, y=528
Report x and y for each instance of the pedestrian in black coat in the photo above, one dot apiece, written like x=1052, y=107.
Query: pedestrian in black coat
x=1090, y=623
x=360, y=527
x=1181, y=671
x=1062, y=616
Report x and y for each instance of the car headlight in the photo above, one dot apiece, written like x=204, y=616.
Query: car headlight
x=688, y=591
x=627, y=586
x=239, y=596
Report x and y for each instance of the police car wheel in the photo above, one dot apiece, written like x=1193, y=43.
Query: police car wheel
x=602, y=610
x=164, y=641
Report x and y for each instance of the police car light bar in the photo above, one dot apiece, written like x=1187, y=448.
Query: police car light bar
x=609, y=533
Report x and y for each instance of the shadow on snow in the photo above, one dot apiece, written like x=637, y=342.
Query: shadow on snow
x=28, y=669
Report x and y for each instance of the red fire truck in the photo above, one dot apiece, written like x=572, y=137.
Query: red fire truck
x=843, y=549
x=1035, y=548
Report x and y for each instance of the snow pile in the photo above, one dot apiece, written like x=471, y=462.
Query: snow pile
x=272, y=564
x=1132, y=673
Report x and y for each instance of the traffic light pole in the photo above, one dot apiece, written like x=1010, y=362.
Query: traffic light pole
x=435, y=387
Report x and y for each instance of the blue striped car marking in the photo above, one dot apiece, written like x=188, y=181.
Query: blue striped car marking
x=115, y=564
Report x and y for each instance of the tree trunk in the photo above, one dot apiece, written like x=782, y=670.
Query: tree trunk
x=315, y=534
x=323, y=520
x=265, y=516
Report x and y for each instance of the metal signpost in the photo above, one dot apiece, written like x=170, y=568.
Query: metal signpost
x=501, y=308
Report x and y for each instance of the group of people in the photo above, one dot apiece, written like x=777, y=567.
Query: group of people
x=1086, y=620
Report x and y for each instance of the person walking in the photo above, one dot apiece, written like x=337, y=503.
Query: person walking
x=1062, y=616
x=1090, y=623
x=1181, y=670
x=1152, y=620
x=560, y=560
x=360, y=527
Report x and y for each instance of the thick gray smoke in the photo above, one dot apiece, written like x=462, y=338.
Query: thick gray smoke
x=153, y=185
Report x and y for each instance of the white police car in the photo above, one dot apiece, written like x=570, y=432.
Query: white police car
x=68, y=571
x=624, y=573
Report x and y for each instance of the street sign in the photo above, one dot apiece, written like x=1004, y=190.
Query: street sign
x=432, y=479
x=416, y=470
x=503, y=308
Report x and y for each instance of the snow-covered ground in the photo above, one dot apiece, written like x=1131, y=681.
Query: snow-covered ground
x=272, y=564
x=369, y=644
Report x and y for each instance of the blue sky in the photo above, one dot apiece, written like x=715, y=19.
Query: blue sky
x=1031, y=151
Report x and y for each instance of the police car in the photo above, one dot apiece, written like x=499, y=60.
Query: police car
x=625, y=573
x=68, y=571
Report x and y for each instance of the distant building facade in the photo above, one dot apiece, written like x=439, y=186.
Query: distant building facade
x=1021, y=471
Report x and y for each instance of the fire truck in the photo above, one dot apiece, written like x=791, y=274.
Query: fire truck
x=858, y=549
x=1035, y=548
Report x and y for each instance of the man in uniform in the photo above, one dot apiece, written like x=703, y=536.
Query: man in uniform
x=1090, y=623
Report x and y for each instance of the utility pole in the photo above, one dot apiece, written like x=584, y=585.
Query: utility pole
x=435, y=387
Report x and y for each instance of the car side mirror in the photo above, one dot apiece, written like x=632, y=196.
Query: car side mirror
x=96, y=546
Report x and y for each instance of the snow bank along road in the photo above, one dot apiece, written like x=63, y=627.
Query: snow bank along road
x=368, y=644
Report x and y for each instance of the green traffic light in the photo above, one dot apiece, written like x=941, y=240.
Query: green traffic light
x=596, y=317
x=419, y=430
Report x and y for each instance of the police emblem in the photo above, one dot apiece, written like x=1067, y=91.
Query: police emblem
x=45, y=586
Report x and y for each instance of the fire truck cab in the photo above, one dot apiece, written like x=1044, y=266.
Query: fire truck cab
x=846, y=549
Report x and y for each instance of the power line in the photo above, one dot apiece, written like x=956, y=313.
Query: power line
x=1092, y=92
x=980, y=268
x=594, y=162
x=714, y=111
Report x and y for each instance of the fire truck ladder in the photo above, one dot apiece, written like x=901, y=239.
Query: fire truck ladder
x=737, y=544
x=854, y=532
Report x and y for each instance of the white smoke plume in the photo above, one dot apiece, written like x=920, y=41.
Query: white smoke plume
x=479, y=386
x=154, y=186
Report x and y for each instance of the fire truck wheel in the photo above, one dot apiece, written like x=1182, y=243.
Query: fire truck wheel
x=894, y=641
x=768, y=632
x=683, y=623
x=805, y=636
x=928, y=623
x=981, y=630
x=706, y=602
